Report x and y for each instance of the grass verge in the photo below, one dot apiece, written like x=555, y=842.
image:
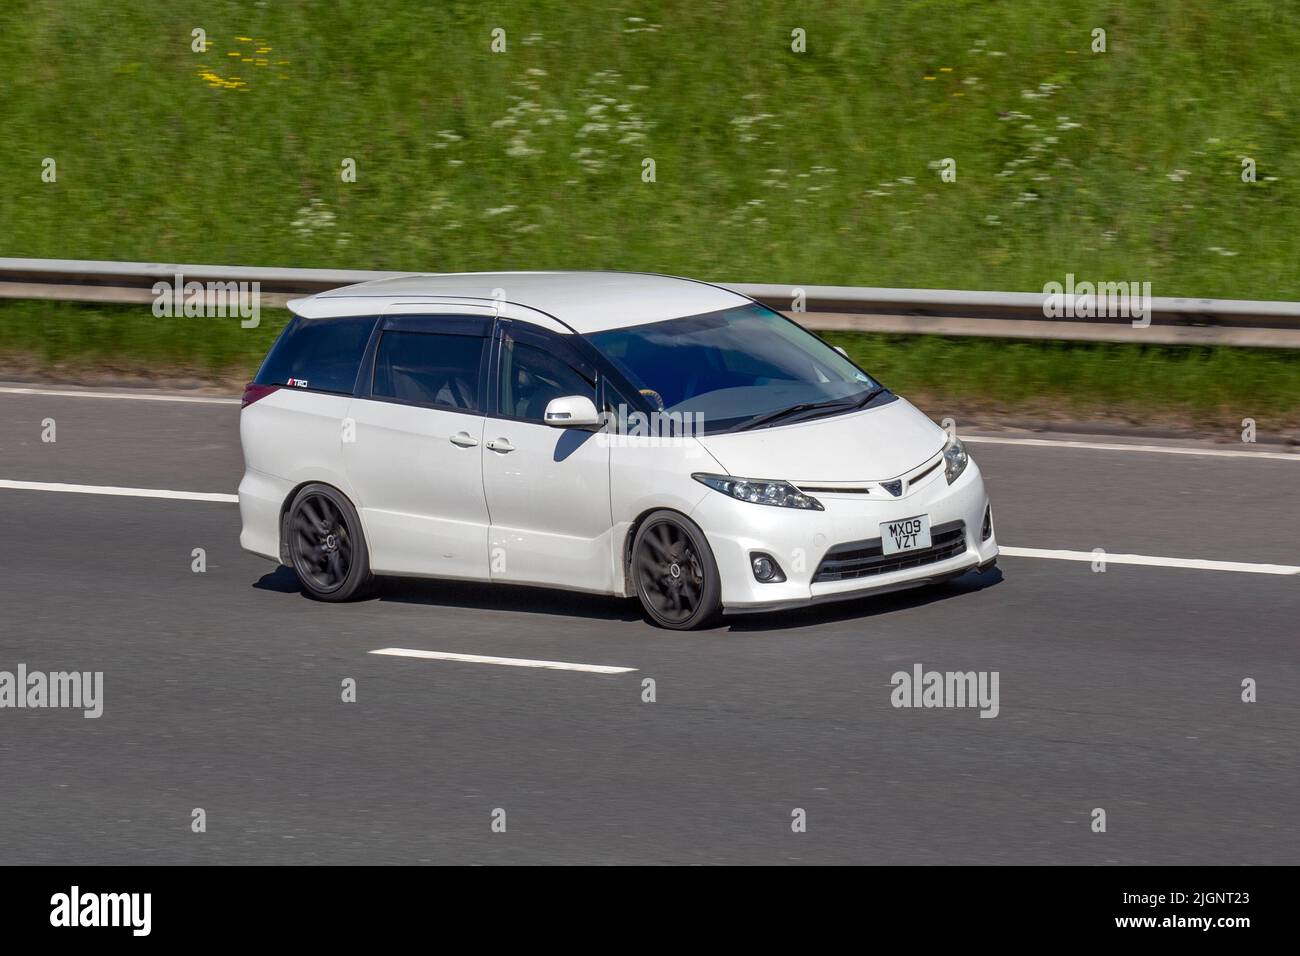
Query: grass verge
x=776, y=159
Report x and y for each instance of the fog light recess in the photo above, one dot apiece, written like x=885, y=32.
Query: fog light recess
x=765, y=568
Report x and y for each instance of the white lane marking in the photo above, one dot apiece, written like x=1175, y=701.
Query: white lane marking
x=1150, y=561
x=1154, y=561
x=119, y=492
x=72, y=393
x=1116, y=446
x=507, y=661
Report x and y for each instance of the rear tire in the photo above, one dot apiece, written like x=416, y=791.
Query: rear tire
x=327, y=549
x=674, y=572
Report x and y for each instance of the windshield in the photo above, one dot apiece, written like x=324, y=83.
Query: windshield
x=732, y=367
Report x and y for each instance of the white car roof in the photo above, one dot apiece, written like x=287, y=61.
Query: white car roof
x=585, y=301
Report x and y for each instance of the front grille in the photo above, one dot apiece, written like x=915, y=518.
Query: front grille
x=861, y=559
x=916, y=479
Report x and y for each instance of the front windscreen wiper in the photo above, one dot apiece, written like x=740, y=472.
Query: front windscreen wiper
x=837, y=405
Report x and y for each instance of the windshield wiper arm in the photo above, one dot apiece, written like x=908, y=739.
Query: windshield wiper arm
x=769, y=418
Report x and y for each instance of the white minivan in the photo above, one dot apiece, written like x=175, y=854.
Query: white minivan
x=617, y=433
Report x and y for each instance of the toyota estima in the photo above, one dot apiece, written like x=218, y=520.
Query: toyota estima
x=617, y=433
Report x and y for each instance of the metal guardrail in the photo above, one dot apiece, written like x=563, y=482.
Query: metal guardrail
x=826, y=308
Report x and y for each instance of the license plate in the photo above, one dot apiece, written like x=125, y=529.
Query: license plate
x=906, y=534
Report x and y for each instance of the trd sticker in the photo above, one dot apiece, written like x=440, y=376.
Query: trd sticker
x=300, y=382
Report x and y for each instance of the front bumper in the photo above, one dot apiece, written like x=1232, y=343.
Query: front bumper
x=799, y=540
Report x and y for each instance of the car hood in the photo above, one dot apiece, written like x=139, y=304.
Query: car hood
x=871, y=445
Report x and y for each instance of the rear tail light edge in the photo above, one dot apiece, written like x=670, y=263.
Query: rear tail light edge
x=254, y=392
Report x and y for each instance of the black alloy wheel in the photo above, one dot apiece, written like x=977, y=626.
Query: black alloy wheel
x=326, y=546
x=675, y=574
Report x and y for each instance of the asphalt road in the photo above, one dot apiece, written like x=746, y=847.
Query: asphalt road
x=222, y=690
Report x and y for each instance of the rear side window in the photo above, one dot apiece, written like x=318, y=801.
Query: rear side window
x=426, y=368
x=319, y=354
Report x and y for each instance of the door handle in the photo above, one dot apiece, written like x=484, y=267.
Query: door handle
x=501, y=445
x=464, y=440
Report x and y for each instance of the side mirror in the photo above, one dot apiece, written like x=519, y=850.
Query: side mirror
x=571, y=411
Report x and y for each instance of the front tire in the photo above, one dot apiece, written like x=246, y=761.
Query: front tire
x=676, y=577
x=326, y=547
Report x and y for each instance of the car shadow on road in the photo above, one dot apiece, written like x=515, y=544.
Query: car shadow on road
x=516, y=597
x=479, y=596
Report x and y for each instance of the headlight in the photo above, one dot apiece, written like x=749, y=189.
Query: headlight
x=955, y=459
x=782, y=494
